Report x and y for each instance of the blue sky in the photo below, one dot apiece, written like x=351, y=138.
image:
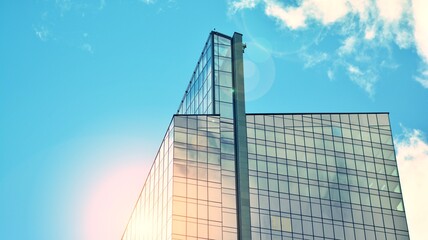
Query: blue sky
x=87, y=90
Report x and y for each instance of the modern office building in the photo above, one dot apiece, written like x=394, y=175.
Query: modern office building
x=221, y=173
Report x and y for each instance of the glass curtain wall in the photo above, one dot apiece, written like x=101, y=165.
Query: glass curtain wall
x=210, y=89
x=198, y=98
x=204, y=201
x=310, y=176
x=204, y=158
x=324, y=176
x=151, y=217
x=197, y=190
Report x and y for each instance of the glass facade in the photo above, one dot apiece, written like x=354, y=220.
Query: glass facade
x=210, y=90
x=197, y=187
x=324, y=176
x=198, y=98
x=204, y=199
x=223, y=174
x=223, y=76
x=151, y=218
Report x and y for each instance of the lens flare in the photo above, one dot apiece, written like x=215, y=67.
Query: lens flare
x=110, y=201
x=259, y=71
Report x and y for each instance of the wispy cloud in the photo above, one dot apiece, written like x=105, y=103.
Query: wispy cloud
x=164, y=6
x=423, y=78
x=243, y=4
x=365, y=79
x=371, y=25
x=42, y=33
x=411, y=145
x=296, y=17
x=412, y=158
x=348, y=46
x=313, y=59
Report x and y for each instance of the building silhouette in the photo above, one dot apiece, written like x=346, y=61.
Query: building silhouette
x=221, y=173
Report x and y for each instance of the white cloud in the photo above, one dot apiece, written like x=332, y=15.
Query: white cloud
x=372, y=25
x=354, y=70
x=314, y=59
x=242, y=4
x=370, y=33
x=327, y=11
x=403, y=39
x=292, y=18
x=360, y=8
x=391, y=10
x=365, y=79
x=420, y=31
x=422, y=81
x=423, y=78
x=412, y=159
x=348, y=46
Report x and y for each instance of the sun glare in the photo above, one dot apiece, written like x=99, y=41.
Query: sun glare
x=111, y=200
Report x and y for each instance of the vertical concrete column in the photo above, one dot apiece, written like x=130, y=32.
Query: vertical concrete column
x=241, y=147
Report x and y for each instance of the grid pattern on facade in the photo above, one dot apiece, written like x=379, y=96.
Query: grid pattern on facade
x=200, y=93
x=202, y=187
x=223, y=76
x=151, y=217
x=223, y=174
x=198, y=98
x=324, y=176
x=204, y=202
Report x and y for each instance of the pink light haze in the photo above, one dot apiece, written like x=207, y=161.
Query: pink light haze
x=111, y=200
